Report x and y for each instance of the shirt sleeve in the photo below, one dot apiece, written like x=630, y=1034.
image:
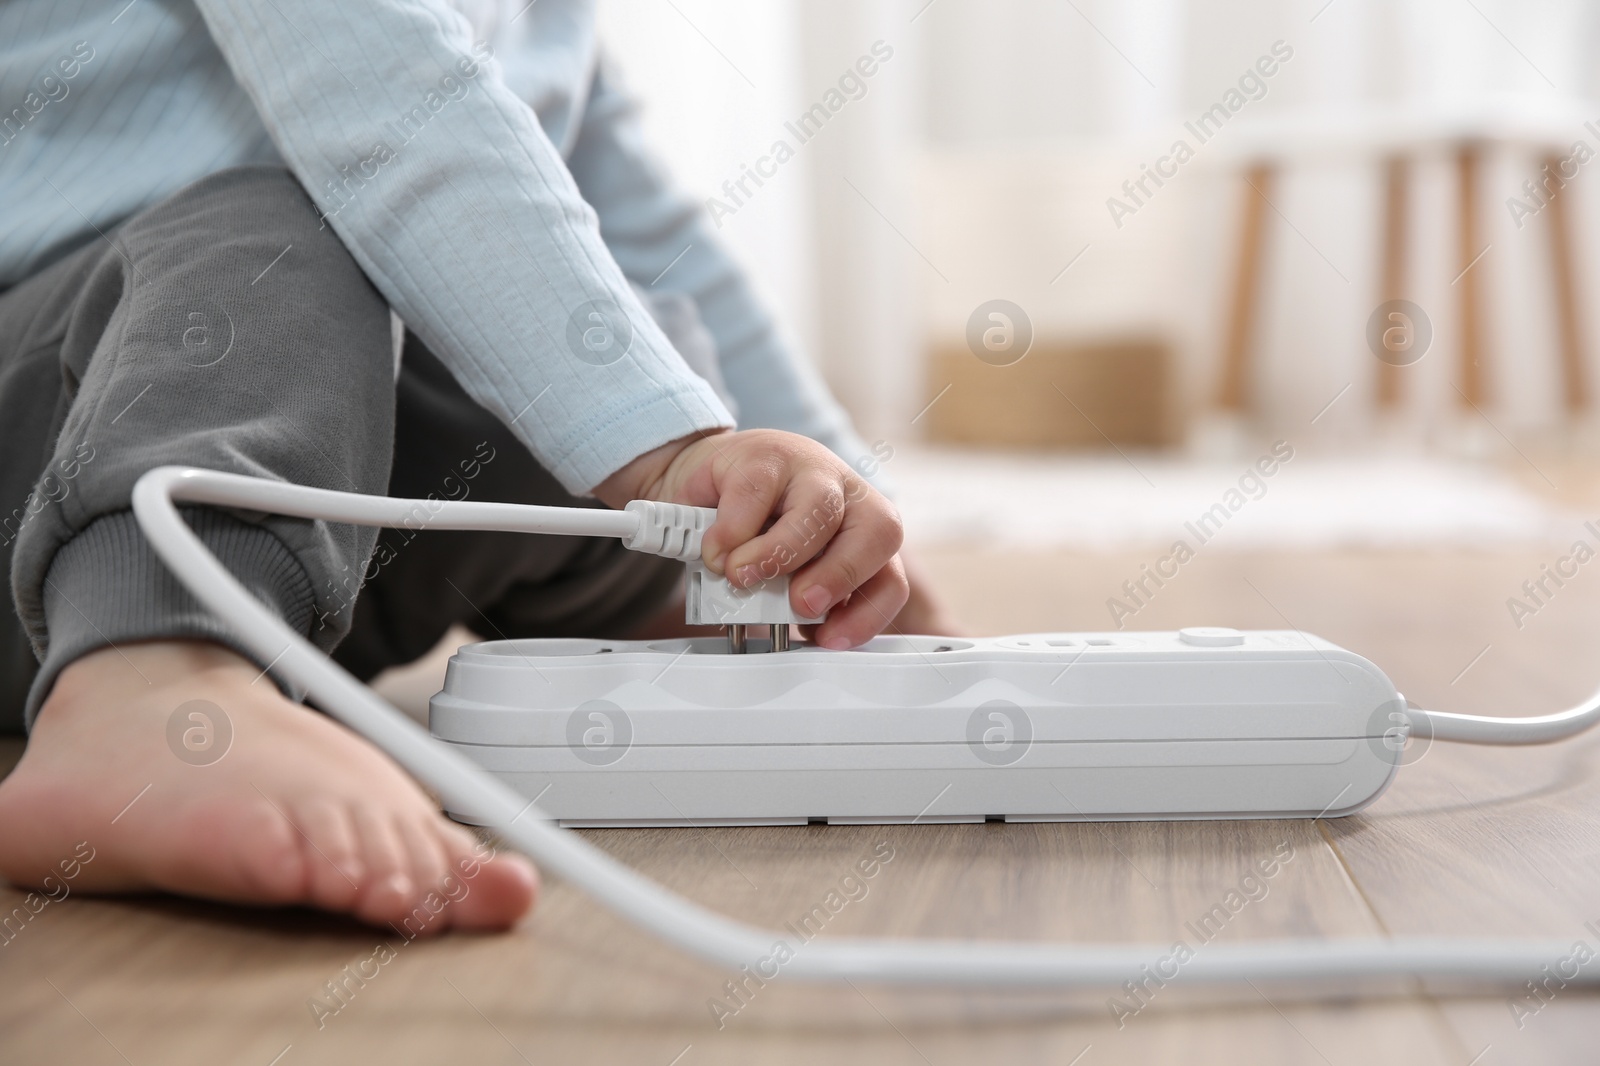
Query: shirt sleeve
x=447, y=192
x=663, y=239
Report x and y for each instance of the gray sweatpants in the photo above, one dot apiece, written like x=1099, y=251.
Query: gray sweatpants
x=222, y=328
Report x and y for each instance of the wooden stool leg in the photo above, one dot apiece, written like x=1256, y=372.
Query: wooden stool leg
x=1231, y=395
x=1392, y=284
x=1574, y=374
x=1474, y=356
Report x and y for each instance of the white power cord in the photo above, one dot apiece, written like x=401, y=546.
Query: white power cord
x=1471, y=729
x=687, y=925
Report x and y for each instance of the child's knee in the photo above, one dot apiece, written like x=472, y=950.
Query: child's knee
x=245, y=251
x=244, y=211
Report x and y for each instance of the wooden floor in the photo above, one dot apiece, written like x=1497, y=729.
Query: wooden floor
x=1468, y=841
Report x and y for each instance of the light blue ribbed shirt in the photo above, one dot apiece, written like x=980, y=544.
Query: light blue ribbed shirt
x=478, y=160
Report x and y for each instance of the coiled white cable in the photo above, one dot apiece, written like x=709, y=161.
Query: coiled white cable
x=654, y=909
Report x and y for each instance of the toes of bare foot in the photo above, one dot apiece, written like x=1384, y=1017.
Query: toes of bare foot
x=296, y=809
x=494, y=883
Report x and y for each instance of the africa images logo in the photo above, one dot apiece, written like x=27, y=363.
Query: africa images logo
x=599, y=732
x=999, y=732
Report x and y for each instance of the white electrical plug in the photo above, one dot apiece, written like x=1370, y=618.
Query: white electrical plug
x=676, y=531
x=712, y=601
x=673, y=530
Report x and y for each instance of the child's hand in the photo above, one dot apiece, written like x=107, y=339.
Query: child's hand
x=828, y=527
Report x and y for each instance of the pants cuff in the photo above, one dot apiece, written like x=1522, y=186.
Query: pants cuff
x=106, y=586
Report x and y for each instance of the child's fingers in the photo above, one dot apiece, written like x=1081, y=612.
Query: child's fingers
x=748, y=494
x=868, y=538
x=868, y=611
x=812, y=511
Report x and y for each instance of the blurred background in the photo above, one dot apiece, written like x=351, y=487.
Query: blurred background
x=981, y=157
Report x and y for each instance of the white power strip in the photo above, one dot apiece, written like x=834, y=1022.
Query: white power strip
x=1200, y=723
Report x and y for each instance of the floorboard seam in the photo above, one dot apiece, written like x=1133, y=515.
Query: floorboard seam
x=1434, y=1009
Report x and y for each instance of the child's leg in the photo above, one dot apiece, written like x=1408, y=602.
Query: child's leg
x=222, y=328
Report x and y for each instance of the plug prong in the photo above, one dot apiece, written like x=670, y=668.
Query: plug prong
x=780, y=636
x=736, y=639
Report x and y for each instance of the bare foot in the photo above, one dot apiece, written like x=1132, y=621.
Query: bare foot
x=292, y=808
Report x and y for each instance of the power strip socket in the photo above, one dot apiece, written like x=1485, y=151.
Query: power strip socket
x=1198, y=723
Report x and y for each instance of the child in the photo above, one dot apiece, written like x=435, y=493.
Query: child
x=209, y=213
